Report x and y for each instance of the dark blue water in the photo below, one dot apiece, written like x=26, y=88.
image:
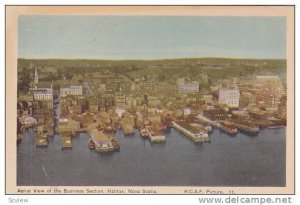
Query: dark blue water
x=226, y=161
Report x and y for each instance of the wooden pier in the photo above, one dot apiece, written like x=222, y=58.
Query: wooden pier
x=155, y=135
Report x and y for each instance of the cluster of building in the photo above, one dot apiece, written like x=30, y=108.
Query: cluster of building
x=106, y=99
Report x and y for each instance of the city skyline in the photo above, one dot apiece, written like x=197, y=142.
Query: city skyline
x=151, y=37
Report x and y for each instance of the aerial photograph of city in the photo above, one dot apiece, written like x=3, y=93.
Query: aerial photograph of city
x=151, y=101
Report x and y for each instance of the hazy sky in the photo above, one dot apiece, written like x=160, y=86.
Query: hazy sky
x=151, y=37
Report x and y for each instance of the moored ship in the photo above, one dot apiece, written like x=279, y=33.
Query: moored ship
x=19, y=138
x=116, y=144
x=144, y=133
x=245, y=127
x=227, y=127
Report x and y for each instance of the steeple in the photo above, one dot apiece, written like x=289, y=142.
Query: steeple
x=36, y=76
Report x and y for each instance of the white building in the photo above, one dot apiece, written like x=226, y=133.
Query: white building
x=229, y=96
x=43, y=94
x=72, y=90
x=28, y=120
x=192, y=87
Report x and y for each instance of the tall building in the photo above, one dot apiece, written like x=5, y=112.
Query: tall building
x=229, y=96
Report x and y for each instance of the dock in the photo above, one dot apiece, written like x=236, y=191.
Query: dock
x=193, y=133
x=101, y=142
x=66, y=142
x=41, y=142
x=155, y=135
x=41, y=139
x=206, y=128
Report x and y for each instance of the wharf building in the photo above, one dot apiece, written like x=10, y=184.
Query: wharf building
x=193, y=133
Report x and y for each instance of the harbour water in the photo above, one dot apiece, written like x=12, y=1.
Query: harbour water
x=225, y=161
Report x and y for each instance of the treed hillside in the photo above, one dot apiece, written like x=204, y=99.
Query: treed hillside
x=214, y=67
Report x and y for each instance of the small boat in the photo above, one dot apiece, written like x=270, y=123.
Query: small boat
x=41, y=142
x=109, y=129
x=19, y=138
x=41, y=139
x=116, y=144
x=144, y=133
x=66, y=143
x=91, y=144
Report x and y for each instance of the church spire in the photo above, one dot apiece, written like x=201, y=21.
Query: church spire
x=36, y=76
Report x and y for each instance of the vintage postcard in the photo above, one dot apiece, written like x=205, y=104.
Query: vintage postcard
x=150, y=100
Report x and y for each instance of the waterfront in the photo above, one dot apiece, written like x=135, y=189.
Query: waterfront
x=225, y=161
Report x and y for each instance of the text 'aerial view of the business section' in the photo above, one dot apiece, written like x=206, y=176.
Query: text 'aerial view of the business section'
x=151, y=101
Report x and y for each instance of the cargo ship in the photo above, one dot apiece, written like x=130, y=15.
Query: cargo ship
x=245, y=127
x=227, y=127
